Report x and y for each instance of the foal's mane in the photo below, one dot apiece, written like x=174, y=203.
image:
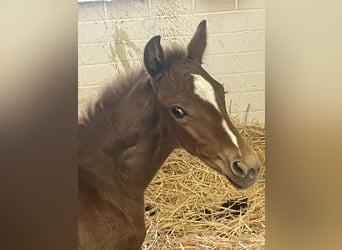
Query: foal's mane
x=111, y=95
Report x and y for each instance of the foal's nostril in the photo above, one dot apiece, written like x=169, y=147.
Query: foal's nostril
x=239, y=168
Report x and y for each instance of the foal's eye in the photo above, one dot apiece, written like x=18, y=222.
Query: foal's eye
x=177, y=112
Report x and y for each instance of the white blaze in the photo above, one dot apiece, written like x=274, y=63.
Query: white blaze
x=206, y=92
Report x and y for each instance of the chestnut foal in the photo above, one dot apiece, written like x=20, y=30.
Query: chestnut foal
x=134, y=126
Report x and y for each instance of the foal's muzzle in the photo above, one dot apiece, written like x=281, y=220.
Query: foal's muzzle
x=244, y=173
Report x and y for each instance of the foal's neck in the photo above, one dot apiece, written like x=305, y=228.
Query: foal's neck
x=150, y=143
x=133, y=143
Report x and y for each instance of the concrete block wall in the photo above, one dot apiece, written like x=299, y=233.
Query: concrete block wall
x=112, y=35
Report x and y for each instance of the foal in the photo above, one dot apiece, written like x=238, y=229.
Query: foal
x=135, y=125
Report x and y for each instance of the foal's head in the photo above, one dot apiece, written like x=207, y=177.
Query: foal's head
x=195, y=109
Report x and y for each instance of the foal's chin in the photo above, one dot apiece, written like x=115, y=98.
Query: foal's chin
x=238, y=182
x=241, y=183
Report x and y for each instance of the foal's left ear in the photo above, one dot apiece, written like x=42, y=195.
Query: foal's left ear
x=198, y=42
x=154, y=57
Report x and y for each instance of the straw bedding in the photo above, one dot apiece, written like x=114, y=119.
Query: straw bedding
x=190, y=206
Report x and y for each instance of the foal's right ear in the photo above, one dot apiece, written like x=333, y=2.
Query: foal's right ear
x=198, y=42
x=154, y=57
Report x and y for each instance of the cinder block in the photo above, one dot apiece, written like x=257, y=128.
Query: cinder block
x=118, y=9
x=247, y=82
x=126, y=50
x=254, y=118
x=210, y=6
x=255, y=99
x=95, y=75
x=251, y=4
x=121, y=69
x=238, y=102
x=93, y=54
x=171, y=26
x=225, y=22
x=110, y=31
x=168, y=8
x=256, y=20
x=133, y=29
x=90, y=11
x=252, y=81
x=236, y=42
x=230, y=82
x=235, y=63
x=92, y=32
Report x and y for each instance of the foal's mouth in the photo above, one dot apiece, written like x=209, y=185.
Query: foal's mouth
x=243, y=182
x=238, y=185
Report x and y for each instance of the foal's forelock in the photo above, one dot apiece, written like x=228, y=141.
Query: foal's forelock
x=206, y=92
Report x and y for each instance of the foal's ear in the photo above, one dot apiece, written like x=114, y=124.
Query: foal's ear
x=198, y=42
x=154, y=57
